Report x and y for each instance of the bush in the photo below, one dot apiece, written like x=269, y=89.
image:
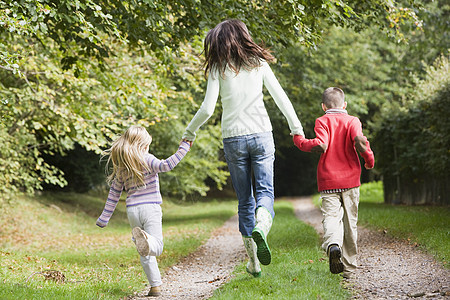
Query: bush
x=412, y=141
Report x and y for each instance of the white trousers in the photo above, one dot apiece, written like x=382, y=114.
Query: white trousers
x=149, y=218
x=340, y=217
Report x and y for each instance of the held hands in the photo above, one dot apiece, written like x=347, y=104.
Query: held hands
x=298, y=139
x=309, y=145
x=187, y=141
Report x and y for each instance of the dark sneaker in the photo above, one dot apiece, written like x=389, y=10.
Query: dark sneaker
x=263, y=252
x=336, y=265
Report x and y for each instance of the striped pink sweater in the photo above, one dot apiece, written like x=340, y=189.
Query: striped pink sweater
x=141, y=195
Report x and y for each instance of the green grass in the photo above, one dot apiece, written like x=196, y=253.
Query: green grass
x=427, y=227
x=299, y=268
x=58, y=232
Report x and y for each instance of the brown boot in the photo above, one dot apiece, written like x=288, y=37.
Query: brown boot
x=155, y=291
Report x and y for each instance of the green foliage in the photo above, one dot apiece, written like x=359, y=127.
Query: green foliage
x=46, y=111
x=343, y=59
x=426, y=44
x=80, y=72
x=370, y=68
x=412, y=135
x=78, y=27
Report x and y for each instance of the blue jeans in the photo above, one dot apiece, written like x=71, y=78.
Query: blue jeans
x=244, y=154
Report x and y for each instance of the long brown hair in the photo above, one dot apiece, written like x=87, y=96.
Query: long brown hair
x=230, y=44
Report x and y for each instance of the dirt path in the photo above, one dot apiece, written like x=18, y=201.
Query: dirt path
x=199, y=274
x=388, y=268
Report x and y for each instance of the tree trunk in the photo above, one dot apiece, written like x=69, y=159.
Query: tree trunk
x=424, y=190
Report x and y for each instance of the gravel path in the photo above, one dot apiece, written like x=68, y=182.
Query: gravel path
x=388, y=268
x=200, y=273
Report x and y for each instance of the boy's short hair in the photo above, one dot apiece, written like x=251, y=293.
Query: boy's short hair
x=333, y=97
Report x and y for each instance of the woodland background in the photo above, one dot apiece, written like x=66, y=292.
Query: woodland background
x=75, y=74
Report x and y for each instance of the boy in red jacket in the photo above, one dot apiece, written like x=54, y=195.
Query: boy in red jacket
x=338, y=136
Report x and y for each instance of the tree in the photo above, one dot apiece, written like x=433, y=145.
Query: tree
x=372, y=69
x=361, y=66
x=79, y=72
x=413, y=142
x=78, y=28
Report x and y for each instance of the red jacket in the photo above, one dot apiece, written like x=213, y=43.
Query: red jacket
x=339, y=166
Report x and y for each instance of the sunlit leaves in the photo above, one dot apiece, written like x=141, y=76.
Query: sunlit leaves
x=78, y=27
x=49, y=110
x=82, y=71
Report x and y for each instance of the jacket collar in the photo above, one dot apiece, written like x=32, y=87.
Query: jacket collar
x=336, y=111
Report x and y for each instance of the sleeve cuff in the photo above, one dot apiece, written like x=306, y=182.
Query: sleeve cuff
x=185, y=145
x=298, y=132
x=298, y=139
x=100, y=224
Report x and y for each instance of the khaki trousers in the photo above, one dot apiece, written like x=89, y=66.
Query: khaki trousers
x=340, y=215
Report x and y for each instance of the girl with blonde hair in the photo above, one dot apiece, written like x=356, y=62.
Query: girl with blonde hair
x=237, y=70
x=135, y=170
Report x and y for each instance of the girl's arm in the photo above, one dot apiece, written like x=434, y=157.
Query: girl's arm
x=111, y=202
x=282, y=100
x=165, y=165
x=206, y=109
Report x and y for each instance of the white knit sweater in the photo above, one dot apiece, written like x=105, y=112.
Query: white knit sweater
x=242, y=102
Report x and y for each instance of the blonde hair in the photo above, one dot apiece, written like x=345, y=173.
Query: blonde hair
x=333, y=97
x=127, y=156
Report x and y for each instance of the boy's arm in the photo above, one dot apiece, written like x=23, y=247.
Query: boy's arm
x=165, y=165
x=361, y=143
x=309, y=145
x=363, y=147
x=318, y=144
x=111, y=202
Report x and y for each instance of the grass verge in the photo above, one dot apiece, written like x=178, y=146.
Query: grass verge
x=57, y=232
x=299, y=268
x=427, y=227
